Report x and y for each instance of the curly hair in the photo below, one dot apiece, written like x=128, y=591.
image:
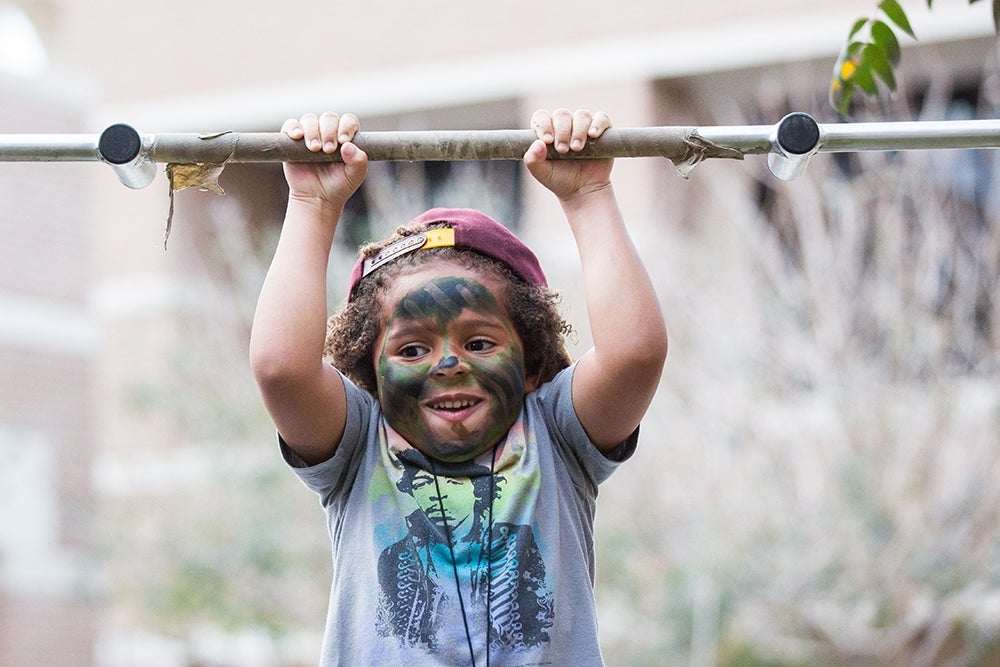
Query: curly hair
x=354, y=329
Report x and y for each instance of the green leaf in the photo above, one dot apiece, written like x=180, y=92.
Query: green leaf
x=864, y=78
x=858, y=25
x=883, y=35
x=878, y=62
x=896, y=14
x=841, y=94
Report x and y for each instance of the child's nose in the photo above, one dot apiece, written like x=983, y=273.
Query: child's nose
x=449, y=365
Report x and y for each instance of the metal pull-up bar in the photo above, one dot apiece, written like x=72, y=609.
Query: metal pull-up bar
x=788, y=144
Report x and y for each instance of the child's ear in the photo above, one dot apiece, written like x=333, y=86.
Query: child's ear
x=531, y=383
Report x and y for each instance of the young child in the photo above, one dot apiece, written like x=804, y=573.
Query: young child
x=455, y=448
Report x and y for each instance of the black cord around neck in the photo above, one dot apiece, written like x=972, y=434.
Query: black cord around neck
x=489, y=560
x=489, y=556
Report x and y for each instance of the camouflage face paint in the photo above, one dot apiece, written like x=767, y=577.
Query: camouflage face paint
x=444, y=299
x=451, y=368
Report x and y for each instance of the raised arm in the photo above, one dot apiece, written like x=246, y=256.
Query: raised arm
x=615, y=380
x=303, y=394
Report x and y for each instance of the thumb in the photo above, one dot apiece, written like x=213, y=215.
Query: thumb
x=536, y=160
x=355, y=162
x=537, y=152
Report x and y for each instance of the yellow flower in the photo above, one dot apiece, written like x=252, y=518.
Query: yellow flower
x=847, y=70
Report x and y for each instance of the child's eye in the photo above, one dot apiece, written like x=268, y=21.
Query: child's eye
x=479, y=345
x=412, y=351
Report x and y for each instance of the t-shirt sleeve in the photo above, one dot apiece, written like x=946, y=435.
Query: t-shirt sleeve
x=331, y=477
x=556, y=401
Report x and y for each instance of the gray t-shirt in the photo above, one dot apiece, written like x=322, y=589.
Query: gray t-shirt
x=408, y=533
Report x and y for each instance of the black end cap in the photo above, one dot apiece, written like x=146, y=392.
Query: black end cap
x=798, y=133
x=119, y=144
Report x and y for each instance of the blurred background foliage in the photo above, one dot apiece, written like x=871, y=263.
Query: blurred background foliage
x=840, y=506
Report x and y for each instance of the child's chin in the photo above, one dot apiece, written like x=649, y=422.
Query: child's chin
x=456, y=452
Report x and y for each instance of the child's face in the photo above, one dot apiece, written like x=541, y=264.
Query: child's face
x=450, y=366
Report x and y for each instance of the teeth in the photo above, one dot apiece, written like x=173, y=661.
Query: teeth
x=452, y=405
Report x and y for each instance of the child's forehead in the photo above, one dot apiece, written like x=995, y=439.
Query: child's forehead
x=444, y=289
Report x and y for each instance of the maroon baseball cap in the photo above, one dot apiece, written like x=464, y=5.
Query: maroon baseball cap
x=466, y=228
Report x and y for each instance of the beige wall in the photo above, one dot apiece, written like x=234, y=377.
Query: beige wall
x=153, y=49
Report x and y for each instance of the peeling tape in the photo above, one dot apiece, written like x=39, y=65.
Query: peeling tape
x=205, y=177
x=201, y=175
x=697, y=149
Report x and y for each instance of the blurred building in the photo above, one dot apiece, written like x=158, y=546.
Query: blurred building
x=95, y=315
x=48, y=357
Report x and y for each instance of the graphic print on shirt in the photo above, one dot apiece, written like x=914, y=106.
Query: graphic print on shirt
x=501, y=570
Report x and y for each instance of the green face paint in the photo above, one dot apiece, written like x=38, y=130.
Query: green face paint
x=451, y=376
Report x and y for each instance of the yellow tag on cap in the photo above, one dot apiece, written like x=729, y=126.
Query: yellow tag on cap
x=439, y=238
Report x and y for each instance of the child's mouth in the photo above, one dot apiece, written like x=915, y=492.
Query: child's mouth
x=453, y=405
x=454, y=409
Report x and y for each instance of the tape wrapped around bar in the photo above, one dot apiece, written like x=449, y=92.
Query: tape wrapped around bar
x=684, y=147
x=680, y=145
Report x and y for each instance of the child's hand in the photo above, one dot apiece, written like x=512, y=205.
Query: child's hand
x=568, y=131
x=330, y=182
